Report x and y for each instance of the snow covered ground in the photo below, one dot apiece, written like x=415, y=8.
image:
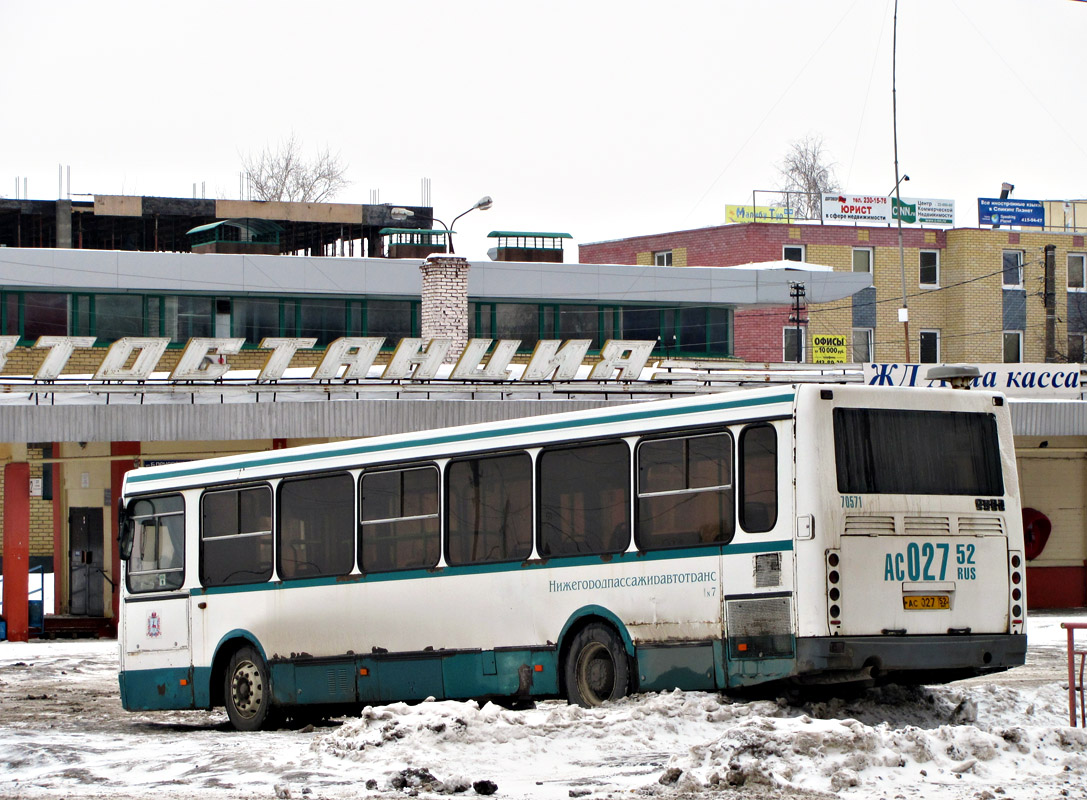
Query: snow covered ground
x=63, y=734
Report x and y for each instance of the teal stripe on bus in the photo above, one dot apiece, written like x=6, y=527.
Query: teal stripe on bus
x=450, y=438
x=777, y=546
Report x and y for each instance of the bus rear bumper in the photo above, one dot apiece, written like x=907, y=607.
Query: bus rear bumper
x=911, y=659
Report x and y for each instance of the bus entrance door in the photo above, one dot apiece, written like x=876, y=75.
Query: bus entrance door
x=156, y=671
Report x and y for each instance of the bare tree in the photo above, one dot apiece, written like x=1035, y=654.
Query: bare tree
x=284, y=173
x=806, y=172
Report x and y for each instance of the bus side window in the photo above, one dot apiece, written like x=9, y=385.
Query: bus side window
x=316, y=526
x=236, y=536
x=758, y=478
x=685, y=493
x=399, y=526
x=489, y=509
x=585, y=499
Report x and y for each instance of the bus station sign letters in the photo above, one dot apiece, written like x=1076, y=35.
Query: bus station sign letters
x=1014, y=380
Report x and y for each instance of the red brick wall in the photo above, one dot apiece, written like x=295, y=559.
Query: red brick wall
x=757, y=334
x=734, y=245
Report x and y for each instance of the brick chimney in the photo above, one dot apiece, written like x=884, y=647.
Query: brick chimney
x=445, y=301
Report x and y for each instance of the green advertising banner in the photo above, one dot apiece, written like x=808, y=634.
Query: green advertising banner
x=924, y=211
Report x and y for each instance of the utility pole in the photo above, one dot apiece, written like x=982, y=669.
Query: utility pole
x=1050, y=299
x=904, y=312
x=796, y=291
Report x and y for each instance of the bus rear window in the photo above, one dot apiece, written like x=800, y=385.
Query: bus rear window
x=896, y=451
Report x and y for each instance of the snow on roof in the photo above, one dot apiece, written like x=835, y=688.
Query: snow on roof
x=805, y=266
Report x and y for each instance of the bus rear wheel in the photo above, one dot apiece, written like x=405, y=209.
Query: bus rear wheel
x=597, y=668
x=248, y=692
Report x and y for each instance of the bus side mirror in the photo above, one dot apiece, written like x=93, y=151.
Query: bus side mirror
x=125, y=532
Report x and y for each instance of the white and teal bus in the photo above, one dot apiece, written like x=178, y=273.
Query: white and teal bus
x=809, y=533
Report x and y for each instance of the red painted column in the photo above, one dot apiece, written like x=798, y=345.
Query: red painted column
x=17, y=550
x=60, y=559
x=117, y=473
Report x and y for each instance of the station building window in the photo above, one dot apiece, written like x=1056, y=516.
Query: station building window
x=186, y=317
x=1013, y=347
x=862, y=345
x=792, y=345
x=44, y=314
x=1076, y=348
x=688, y=330
x=1012, y=266
x=393, y=319
x=929, y=268
x=1076, y=271
x=929, y=347
x=862, y=259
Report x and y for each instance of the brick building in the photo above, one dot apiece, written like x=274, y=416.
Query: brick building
x=973, y=294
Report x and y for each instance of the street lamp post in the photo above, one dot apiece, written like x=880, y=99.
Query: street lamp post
x=482, y=204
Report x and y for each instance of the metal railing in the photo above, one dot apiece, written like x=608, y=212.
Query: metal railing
x=1075, y=686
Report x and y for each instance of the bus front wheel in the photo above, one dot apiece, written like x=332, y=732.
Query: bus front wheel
x=248, y=692
x=597, y=668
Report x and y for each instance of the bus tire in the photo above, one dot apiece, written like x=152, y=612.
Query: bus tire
x=597, y=668
x=247, y=692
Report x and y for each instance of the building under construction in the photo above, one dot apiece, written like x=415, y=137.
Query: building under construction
x=122, y=222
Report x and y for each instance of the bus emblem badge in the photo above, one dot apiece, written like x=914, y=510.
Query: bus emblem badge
x=153, y=629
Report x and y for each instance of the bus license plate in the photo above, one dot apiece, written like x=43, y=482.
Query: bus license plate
x=926, y=602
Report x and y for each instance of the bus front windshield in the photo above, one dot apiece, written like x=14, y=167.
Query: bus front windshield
x=157, y=562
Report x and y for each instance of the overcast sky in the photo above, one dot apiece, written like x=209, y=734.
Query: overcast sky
x=603, y=119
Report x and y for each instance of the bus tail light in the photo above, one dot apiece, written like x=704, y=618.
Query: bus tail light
x=1017, y=594
x=834, y=591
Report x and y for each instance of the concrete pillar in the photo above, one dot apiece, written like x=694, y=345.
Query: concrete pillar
x=64, y=223
x=17, y=550
x=445, y=301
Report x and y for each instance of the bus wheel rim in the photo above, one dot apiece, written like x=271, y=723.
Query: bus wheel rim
x=595, y=673
x=247, y=689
